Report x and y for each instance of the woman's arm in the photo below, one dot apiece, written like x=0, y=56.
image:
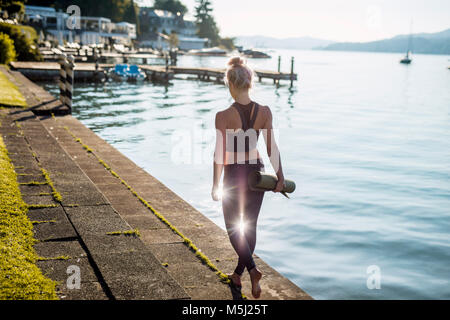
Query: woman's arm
x=219, y=155
x=273, y=151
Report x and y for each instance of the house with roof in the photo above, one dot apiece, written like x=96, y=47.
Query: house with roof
x=160, y=22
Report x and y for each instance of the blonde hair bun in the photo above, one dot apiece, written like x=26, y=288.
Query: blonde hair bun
x=236, y=62
x=239, y=74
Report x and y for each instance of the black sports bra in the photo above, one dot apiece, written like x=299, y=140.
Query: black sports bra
x=245, y=138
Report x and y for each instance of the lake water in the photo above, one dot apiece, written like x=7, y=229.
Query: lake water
x=366, y=139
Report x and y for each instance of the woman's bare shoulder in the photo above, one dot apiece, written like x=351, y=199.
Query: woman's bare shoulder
x=265, y=110
x=225, y=113
x=223, y=116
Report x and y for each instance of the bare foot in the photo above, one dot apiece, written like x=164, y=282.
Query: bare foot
x=236, y=279
x=255, y=276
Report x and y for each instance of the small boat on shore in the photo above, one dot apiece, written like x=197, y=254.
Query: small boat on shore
x=125, y=72
x=250, y=53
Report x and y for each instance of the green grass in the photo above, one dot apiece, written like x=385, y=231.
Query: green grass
x=134, y=232
x=20, y=277
x=10, y=94
x=56, y=195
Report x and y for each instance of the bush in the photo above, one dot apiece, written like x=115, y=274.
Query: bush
x=7, y=51
x=25, y=41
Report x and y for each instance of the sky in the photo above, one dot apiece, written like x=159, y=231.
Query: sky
x=337, y=20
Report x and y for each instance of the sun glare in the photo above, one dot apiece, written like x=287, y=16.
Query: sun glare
x=242, y=224
x=220, y=193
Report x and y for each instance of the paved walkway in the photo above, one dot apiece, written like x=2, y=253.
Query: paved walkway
x=103, y=192
x=74, y=231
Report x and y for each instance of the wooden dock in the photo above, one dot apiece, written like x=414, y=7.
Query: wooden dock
x=216, y=73
x=84, y=72
x=49, y=71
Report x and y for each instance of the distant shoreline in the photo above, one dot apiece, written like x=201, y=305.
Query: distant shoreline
x=421, y=43
x=268, y=49
x=372, y=51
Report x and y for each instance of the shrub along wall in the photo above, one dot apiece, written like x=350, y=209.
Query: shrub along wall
x=7, y=51
x=25, y=41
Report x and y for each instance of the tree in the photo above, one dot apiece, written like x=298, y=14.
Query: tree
x=131, y=15
x=173, y=6
x=25, y=41
x=206, y=25
x=112, y=9
x=7, y=51
x=15, y=9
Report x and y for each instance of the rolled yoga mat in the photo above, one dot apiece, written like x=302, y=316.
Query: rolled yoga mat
x=260, y=181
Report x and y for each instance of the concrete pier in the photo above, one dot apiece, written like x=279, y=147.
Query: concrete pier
x=115, y=221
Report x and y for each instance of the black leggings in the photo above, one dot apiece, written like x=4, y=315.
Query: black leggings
x=238, y=201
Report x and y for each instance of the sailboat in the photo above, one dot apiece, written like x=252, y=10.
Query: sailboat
x=407, y=59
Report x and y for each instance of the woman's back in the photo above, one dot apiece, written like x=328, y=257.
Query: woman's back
x=243, y=124
x=233, y=119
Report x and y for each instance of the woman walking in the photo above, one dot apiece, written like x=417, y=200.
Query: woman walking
x=238, y=129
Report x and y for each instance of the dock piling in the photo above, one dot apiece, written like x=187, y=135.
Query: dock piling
x=62, y=78
x=96, y=64
x=292, y=72
x=69, y=81
x=279, y=64
x=166, y=56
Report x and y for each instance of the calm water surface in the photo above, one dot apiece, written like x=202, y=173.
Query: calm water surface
x=366, y=139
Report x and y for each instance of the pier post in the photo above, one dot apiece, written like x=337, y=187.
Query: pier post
x=167, y=62
x=69, y=81
x=62, y=78
x=167, y=68
x=292, y=72
x=96, y=65
x=173, y=57
x=279, y=64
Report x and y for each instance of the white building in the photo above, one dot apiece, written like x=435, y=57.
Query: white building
x=164, y=22
x=50, y=20
x=93, y=30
